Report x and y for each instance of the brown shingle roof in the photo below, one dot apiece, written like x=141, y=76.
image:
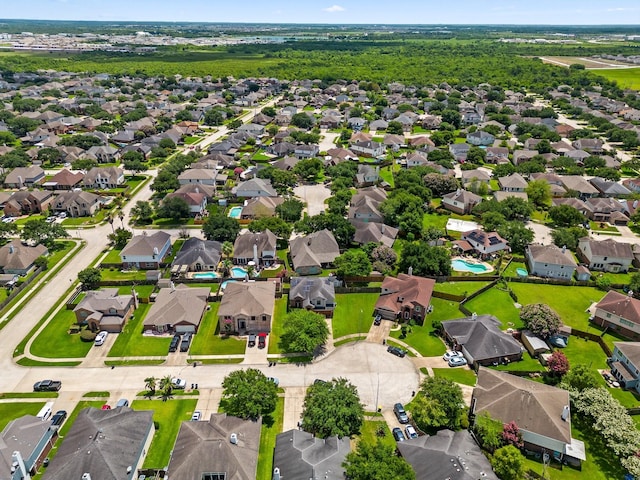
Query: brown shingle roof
x=621, y=305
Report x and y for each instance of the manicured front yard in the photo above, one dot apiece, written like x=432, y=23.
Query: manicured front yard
x=277, y=324
x=208, y=340
x=55, y=341
x=131, y=343
x=271, y=427
x=13, y=410
x=113, y=256
x=353, y=313
x=369, y=433
x=168, y=417
x=463, y=375
x=423, y=338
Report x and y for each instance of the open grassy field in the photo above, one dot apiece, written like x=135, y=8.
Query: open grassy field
x=625, y=77
x=55, y=342
x=353, y=313
x=497, y=303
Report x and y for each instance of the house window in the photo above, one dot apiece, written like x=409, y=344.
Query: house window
x=253, y=318
x=112, y=311
x=264, y=318
x=608, y=315
x=214, y=476
x=417, y=308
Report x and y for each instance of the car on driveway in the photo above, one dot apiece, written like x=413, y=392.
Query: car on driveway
x=262, y=340
x=100, y=338
x=398, y=435
x=59, y=417
x=196, y=416
x=457, y=361
x=410, y=432
x=377, y=320
x=106, y=407
x=252, y=340
x=401, y=413
x=451, y=354
x=178, y=383
x=47, y=386
x=274, y=380
x=175, y=343
x=397, y=351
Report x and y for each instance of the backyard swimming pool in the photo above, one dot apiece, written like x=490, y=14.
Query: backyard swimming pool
x=238, y=272
x=463, y=266
x=235, y=212
x=205, y=275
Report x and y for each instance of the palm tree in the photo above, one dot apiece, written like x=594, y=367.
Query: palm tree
x=166, y=387
x=150, y=384
x=227, y=249
x=251, y=270
x=226, y=267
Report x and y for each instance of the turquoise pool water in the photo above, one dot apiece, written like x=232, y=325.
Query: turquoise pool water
x=521, y=272
x=238, y=272
x=223, y=285
x=205, y=275
x=235, y=212
x=464, y=266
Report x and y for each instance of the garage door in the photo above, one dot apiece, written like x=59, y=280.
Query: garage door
x=185, y=329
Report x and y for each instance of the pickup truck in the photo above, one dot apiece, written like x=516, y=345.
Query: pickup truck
x=47, y=386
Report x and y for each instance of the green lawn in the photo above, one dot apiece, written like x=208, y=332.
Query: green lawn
x=168, y=416
x=143, y=291
x=527, y=364
x=353, y=313
x=387, y=175
x=115, y=274
x=460, y=288
x=423, y=338
x=370, y=429
x=55, y=342
x=13, y=410
x=581, y=351
x=282, y=255
x=271, y=427
x=626, y=77
x=464, y=375
x=277, y=324
x=511, y=269
x=435, y=220
x=22, y=221
x=131, y=342
x=208, y=341
x=113, y=256
x=444, y=310
x=499, y=304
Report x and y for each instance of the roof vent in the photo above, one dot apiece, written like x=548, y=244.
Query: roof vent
x=565, y=412
x=86, y=476
x=234, y=438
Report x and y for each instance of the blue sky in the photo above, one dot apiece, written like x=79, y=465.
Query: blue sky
x=554, y=12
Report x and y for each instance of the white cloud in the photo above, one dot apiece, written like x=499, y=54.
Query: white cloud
x=334, y=9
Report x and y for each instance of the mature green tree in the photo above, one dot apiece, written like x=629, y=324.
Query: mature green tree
x=424, y=259
x=340, y=227
x=514, y=208
x=504, y=170
x=7, y=230
x=634, y=284
x=338, y=203
x=440, y=184
x=278, y=226
x=488, y=431
x=214, y=117
x=508, y=463
x=580, y=377
x=248, y=394
x=308, y=169
x=41, y=232
x=437, y=404
x=395, y=128
x=89, y=278
x=174, y=208
x=135, y=165
x=290, y=210
x=120, y=237
x=568, y=236
x=476, y=155
x=142, y=212
x=165, y=181
x=220, y=228
x=50, y=155
x=376, y=461
x=20, y=125
x=452, y=116
x=353, y=263
x=83, y=141
x=41, y=263
x=517, y=235
x=539, y=192
x=565, y=216
x=398, y=204
x=492, y=220
x=84, y=164
x=541, y=319
x=302, y=120
x=150, y=384
x=332, y=408
x=7, y=138
x=303, y=332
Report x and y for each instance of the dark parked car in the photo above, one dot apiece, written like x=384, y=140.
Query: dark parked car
x=47, y=386
x=175, y=343
x=59, y=417
x=377, y=320
x=252, y=340
x=397, y=351
x=186, y=341
x=398, y=435
x=401, y=413
x=262, y=341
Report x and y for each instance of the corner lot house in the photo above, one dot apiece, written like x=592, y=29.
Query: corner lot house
x=18, y=259
x=405, y=297
x=317, y=294
x=247, y=307
x=146, y=251
x=102, y=178
x=606, y=255
x=78, y=204
x=620, y=313
x=27, y=201
x=204, y=447
x=105, y=310
x=542, y=412
x=177, y=309
x=550, y=261
x=111, y=441
x=625, y=364
x=30, y=436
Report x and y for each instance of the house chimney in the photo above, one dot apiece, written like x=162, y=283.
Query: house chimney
x=564, y=248
x=255, y=252
x=410, y=271
x=565, y=413
x=155, y=252
x=11, y=249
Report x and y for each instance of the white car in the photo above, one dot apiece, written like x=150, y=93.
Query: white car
x=178, y=383
x=450, y=354
x=100, y=338
x=196, y=416
x=411, y=432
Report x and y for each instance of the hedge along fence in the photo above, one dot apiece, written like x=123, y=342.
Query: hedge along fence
x=448, y=296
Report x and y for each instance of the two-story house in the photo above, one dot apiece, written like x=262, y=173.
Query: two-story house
x=625, y=364
x=313, y=293
x=105, y=310
x=605, y=255
x=485, y=243
x=549, y=261
x=247, y=307
x=313, y=252
x=460, y=201
x=513, y=183
x=259, y=247
x=77, y=203
x=146, y=251
x=406, y=297
x=619, y=313
x=368, y=148
x=103, y=178
x=364, y=204
x=24, y=177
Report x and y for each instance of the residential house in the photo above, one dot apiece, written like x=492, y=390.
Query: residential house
x=197, y=255
x=113, y=445
x=590, y=145
x=625, y=364
x=198, y=188
x=255, y=187
x=247, y=307
x=376, y=232
x=364, y=204
x=513, y=183
x=485, y=243
x=316, y=294
x=337, y=155
x=608, y=188
x=480, y=137
x=554, y=181
x=32, y=438
x=549, y=261
x=619, y=313
x=542, y=412
x=579, y=184
x=471, y=117
x=259, y=247
x=197, y=201
x=632, y=184
x=204, y=176
x=415, y=159
x=26, y=202
x=313, y=252
x=24, y=177
x=368, y=148
x=459, y=151
x=476, y=175
x=306, y=151
x=18, y=259
x=481, y=341
x=460, y=201
x=64, y=180
x=224, y=444
x=576, y=203
x=103, y=178
x=521, y=156
x=431, y=456
x=394, y=142
x=78, y=203
x=177, y=310
x=299, y=454
x=605, y=255
x=607, y=210
x=260, y=207
x=104, y=153
x=497, y=155
x=406, y=297
x=105, y=310
x=146, y=251
x=367, y=175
